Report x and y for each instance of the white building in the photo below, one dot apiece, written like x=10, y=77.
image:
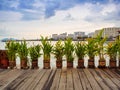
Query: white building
x=109, y=32
x=63, y=35
x=71, y=36
x=79, y=34
x=91, y=34
x=55, y=36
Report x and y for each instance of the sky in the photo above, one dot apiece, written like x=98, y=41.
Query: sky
x=31, y=18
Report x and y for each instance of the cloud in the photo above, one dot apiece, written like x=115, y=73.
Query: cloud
x=10, y=16
x=39, y=9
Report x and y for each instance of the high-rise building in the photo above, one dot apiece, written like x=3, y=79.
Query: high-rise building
x=108, y=32
x=79, y=34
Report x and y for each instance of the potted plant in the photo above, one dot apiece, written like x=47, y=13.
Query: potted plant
x=23, y=53
x=58, y=52
x=80, y=49
x=12, y=47
x=68, y=51
x=91, y=50
x=34, y=52
x=47, y=48
x=101, y=49
x=118, y=48
x=112, y=52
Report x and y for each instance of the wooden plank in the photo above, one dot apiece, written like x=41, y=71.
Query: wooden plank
x=63, y=80
x=92, y=80
x=7, y=78
x=15, y=83
x=26, y=84
x=49, y=82
x=56, y=80
x=4, y=72
x=36, y=80
x=21, y=86
x=116, y=72
x=112, y=77
x=85, y=83
x=107, y=80
x=44, y=79
x=99, y=80
x=76, y=80
x=69, y=80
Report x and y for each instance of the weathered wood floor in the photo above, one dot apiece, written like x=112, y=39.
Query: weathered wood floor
x=57, y=79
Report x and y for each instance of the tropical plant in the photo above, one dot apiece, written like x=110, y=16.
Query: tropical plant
x=46, y=47
x=68, y=49
x=11, y=47
x=91, y=48
x=80, y=49
x=117, y=41
x=100, y=45
x=112, y=50
x=22, y=50
x=58, y=50
x=34, y=52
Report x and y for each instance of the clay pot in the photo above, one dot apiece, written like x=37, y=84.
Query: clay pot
x=91, y=63
x=112, y=64
x=69, y=64
x=102, y=64
x=46, y=64
x=34, y=64
x=12, y=64
x=81, y=63
x=59, y=64
x=24, y=64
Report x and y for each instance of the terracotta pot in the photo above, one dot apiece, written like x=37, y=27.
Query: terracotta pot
x=34, y=64
x=69, y=64
x=102, y=64
x=46, y=64
x=91, y=63
x=81, y=63
x=4, y=62
x=24, y=64
x=12, y=64
x=112, y=64
x=59, y=64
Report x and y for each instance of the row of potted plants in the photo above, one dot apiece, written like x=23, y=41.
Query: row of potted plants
x=92, y=47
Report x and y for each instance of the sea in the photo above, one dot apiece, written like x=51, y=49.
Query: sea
x=53, y=60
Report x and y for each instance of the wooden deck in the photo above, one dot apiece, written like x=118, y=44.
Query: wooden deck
x=60, y=79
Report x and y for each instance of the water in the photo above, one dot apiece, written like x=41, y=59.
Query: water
x=53, y=60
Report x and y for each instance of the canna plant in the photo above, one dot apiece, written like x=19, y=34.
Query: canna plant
x=58, y=52
x=23, y=53
x=11, y=47
x=47, y=48
x=68, y=51
x=34, y=53
x=80, y=49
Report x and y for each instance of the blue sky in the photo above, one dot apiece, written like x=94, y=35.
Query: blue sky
x=32, y=18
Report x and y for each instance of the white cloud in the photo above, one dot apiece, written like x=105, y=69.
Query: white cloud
x=10, y=16
x=109, y=8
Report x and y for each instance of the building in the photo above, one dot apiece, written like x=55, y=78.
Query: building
x=79, y=34
x=55, y=36
x=91, y=34
x=71, y=36
x=63, y=36
x=109, y=32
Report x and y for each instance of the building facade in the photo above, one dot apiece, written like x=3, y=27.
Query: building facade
x=108, y=32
